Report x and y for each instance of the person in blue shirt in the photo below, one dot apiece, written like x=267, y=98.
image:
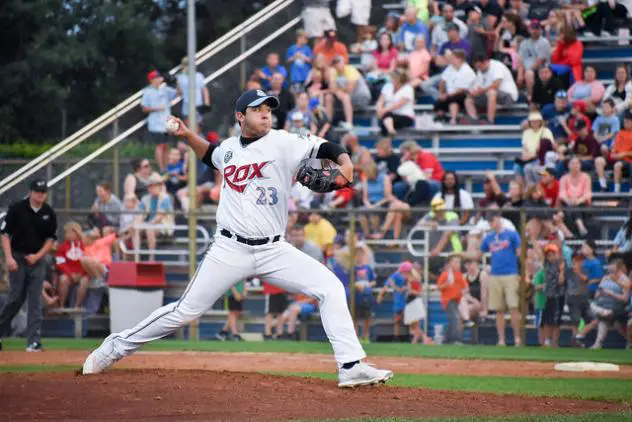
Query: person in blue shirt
x=412, y=27
x=365, y=281
x=300, y=57
x=455, y=42
x=553, y=113
x=202, y=96
x=156, y=103
x=397, y=282
x=591, y=267
x=504, y=246
x=273, y=66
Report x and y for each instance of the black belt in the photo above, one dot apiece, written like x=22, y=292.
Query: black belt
x=250, y=242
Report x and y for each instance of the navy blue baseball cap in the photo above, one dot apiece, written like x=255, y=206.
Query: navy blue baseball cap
x=38, y=185
x=254, y=98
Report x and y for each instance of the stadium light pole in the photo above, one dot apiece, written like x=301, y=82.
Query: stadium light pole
x=192, y=112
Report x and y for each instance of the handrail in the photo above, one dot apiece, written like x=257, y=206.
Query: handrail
x=138, y=125
x=78, y=137
x=206, y=238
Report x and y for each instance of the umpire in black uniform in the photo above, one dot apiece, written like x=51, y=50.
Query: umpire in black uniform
x=28, y=234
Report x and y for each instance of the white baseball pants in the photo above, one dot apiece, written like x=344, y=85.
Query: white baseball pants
x=228, y=262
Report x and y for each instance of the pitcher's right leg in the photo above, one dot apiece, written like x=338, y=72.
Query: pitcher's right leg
x=213, y=277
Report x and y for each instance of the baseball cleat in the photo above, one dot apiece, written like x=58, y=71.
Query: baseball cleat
x=362, y=374
x=100, y=359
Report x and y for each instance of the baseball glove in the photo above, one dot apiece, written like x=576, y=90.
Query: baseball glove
x=321, y=180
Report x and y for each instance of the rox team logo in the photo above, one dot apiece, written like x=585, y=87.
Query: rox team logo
x=235, y=176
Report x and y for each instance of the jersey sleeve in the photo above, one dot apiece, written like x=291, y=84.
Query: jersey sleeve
x=302, y=147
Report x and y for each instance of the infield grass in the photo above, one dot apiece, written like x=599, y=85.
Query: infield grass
x=616, y=356
x=602, y=389
x=589, y=417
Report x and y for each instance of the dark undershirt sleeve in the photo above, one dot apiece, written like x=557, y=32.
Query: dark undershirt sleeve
x=208, y=156
x=330, y=151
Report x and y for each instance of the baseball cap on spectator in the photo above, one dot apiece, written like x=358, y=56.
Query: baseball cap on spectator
x=254, y=98
x=405, y=267
x=155, y=179
x=535, y=24
x=453, y=27
x=38, y=185
x=580, y=105
x=212, y=137
x=551, y=248
x=297, y=115
x=477, y=10
x=153, y=75
x=561, y=94
x=437, y=204
x=535, y=116
x=393, y=15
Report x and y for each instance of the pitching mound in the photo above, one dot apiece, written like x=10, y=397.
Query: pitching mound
x=136, y=395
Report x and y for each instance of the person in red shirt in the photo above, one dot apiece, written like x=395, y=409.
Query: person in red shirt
x=452, y=285
x=569, y=52
x=550, y=186
x=427, y=162
x=276, y=303
x=68, y=262
x=330, y=47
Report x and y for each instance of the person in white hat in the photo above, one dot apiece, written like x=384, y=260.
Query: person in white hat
x=533, y=139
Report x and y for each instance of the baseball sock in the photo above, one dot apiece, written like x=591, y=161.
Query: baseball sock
x=350, y=365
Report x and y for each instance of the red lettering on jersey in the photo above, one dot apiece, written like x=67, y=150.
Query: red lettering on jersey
x=233, y=174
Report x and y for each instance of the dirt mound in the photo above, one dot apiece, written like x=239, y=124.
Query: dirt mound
x=207, y=395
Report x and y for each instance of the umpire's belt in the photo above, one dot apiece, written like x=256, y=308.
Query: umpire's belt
x=250, y=242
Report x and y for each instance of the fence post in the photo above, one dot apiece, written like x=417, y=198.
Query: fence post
x=426, y=279
x=352, y=253
x=242, y=65
x=523, y=278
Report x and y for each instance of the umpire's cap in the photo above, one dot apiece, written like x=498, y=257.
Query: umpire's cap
x=254, y=98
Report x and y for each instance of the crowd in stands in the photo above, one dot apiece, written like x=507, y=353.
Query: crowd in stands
x=472, y=58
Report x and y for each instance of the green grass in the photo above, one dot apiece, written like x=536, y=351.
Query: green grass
x=375, y=349
x=589, y=417
x=603, y=389
x=4, y=369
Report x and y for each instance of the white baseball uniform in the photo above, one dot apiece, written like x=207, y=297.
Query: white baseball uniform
x=254, y=205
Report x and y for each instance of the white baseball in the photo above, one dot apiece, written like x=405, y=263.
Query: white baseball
x=172, y=125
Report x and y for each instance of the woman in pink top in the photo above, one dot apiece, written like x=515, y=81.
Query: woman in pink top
x=419, y=63
x=576, y=192
x=590, y=91
x=98, y=253
x=386, y=54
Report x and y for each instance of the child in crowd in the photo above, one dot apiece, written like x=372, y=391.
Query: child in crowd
x=276, y=303
x=297, y=124
x=273, y=66
x=98, y=254
x=365, y=46
x=320, y=122
x=397, y=282
x=130, y=203
x=591, y=267
x=175, y=177
x=452, y=284
x=554, y=270
x=415, y=310
x=365, y=281
x=299, y=56
x=577, y=295
x=607, y=125
x=68, y=260
x=475, y=302
x=235, y=297
x=539, y=302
